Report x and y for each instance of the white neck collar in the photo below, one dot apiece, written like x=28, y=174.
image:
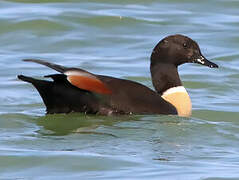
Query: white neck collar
x=174, y=90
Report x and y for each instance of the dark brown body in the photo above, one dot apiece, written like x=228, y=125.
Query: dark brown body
x=127, y=97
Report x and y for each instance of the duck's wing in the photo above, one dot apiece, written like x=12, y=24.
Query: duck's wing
x=56, y=67
x=77, y=77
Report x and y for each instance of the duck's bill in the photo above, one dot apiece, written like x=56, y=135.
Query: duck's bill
x=203, y=61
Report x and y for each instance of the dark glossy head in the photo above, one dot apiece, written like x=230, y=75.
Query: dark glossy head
x=178, y=49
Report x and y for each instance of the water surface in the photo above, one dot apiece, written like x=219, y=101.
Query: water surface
x=116, y=38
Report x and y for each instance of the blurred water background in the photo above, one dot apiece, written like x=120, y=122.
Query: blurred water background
x=116, y=38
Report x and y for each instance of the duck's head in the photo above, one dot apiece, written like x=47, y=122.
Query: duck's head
x=167, y=55
x=178, y=49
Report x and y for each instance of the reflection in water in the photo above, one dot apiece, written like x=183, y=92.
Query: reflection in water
x=63, y=124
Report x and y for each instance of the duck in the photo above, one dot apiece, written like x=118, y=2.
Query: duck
x=77, y=90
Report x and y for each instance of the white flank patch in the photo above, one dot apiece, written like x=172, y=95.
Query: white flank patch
x=174, y=90
x=78, y=73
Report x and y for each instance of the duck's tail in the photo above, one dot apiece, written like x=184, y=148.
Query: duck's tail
x=59, y=96
x=26, y=79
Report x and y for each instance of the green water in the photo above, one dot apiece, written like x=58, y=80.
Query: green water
x=116, y=38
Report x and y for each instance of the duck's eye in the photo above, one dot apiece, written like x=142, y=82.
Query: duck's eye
x=185, y=45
